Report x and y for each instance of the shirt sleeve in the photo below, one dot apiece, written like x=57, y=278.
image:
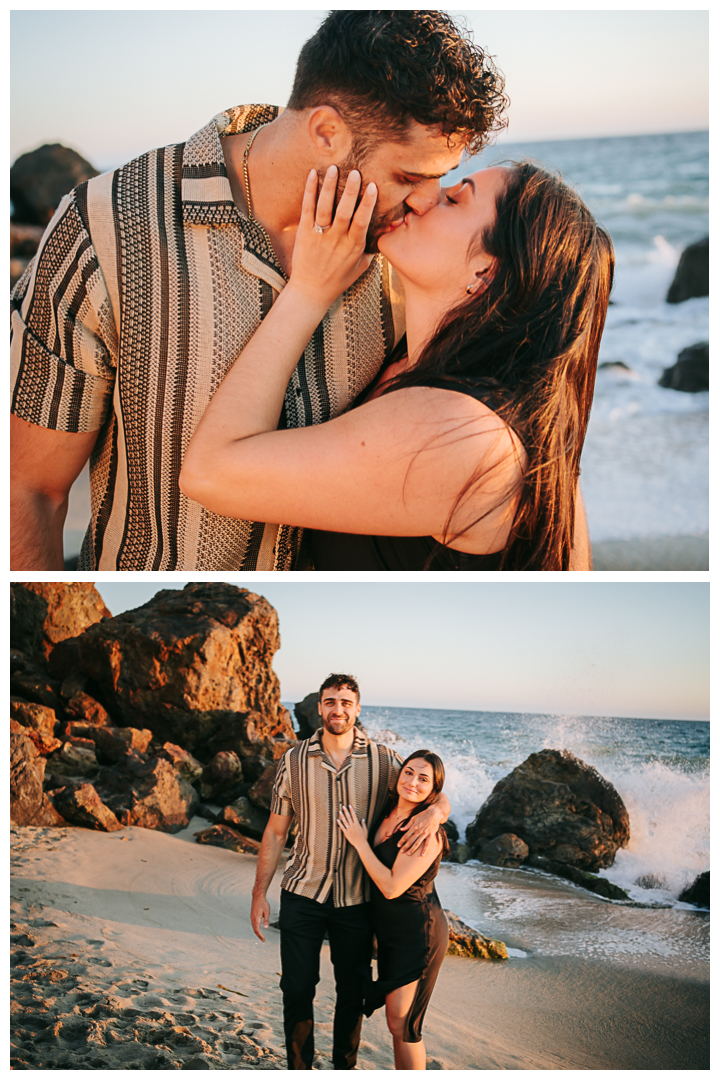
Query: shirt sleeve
x=63, y=339
x=281, y=801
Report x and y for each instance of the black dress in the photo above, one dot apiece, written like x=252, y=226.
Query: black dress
x=412, y=937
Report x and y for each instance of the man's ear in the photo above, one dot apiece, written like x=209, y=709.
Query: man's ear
x=329, y=134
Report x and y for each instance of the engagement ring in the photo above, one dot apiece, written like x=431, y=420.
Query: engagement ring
x=321, y=228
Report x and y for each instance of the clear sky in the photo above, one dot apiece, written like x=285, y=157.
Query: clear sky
x=610, y=649
x=112, y=84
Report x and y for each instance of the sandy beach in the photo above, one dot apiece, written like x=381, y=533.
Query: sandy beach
x=133, y=950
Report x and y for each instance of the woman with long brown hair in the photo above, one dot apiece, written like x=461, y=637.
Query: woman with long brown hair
x=409, y=922
x=466, y=453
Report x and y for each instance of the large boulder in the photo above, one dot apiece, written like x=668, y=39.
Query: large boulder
x=560, y=807
x=307, y=715
x=505, y=850
x=182, y=663
x=39, y=179
x=81, y=805
x=151, y=794
x=692, y=277
x=691, y=372
x=44, y=613
x=29, y=805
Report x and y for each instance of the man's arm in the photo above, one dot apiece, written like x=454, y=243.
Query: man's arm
x=581, y=554
x=44, y=464
x=271, y=849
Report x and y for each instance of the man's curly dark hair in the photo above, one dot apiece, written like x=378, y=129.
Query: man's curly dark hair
x=382, y=69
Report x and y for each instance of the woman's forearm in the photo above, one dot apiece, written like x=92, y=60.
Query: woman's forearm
x=250, y=399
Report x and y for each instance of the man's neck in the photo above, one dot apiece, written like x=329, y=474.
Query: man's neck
x=337, y=747
x=277, y=166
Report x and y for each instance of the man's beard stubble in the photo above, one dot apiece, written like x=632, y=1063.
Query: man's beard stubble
x=378, y=222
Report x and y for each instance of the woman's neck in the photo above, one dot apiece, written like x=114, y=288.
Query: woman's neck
x=423, y=314
x=404, y=808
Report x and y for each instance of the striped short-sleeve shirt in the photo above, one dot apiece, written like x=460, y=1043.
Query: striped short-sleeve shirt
x=148, y=283
x=308, y=785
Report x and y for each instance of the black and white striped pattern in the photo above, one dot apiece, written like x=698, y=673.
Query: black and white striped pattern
x=309, y=786
x=147, y=284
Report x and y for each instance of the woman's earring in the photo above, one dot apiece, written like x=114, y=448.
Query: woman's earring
x=472, y=287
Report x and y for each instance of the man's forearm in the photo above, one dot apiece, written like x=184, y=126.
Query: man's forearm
x=443, y=804
x=271, y=849
x=36, y=531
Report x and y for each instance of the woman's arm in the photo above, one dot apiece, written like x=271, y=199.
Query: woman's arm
x=406, y=869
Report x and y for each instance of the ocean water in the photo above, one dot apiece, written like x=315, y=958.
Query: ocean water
x=645, y=464
x=661, y=770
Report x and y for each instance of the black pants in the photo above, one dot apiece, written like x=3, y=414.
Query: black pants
x=303, y=924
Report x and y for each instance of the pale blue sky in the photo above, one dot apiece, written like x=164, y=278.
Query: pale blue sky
x=612, y=649
x=112, y=84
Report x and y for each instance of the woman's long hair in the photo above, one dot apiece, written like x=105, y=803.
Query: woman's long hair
x=529, y=343
x=438, y=769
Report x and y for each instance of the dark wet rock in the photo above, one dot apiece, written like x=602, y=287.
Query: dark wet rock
x=560, y=807
x=261, y=792
x=464, y=941
x=150, y=794
x=457, y=852
x=592, y=882
x=451, y=830
x=691, y=372
x=58, y=609
x=614, y=365
x=692, y=277
x=40, y=179
x=225, y=837
x=81, y=805
x=74, y=759
x=504, y=850
x=221, y=777
x=245, y=817
x=180, y=664
x=29, y=804
x=307, y=716
x=30, y=714
x=31, y=681
x=699, y=892
x=113, y=743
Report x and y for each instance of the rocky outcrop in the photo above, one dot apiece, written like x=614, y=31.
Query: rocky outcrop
x=691, y=372
x=692, y=277
x=39, y=179
x=24, y=241
x=699, y=892
x=195, y=663
x=44, y=613
x=185, y=664
x=464, y=941
x=307, y=715
x=559, y=807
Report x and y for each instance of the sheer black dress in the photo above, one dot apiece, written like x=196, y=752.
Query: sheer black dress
x=412, y=937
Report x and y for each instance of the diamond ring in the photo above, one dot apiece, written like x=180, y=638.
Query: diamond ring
x=321, y=228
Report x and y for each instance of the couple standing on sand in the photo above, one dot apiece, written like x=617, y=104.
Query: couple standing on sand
x=355, y=804
x=284, y=347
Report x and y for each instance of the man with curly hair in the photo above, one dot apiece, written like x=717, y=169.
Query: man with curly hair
x=151, y=279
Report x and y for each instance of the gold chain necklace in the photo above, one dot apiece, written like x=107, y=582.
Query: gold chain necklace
x=246, y=181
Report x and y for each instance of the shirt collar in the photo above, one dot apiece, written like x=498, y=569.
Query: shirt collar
x=360, y=744
x=206, y=195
